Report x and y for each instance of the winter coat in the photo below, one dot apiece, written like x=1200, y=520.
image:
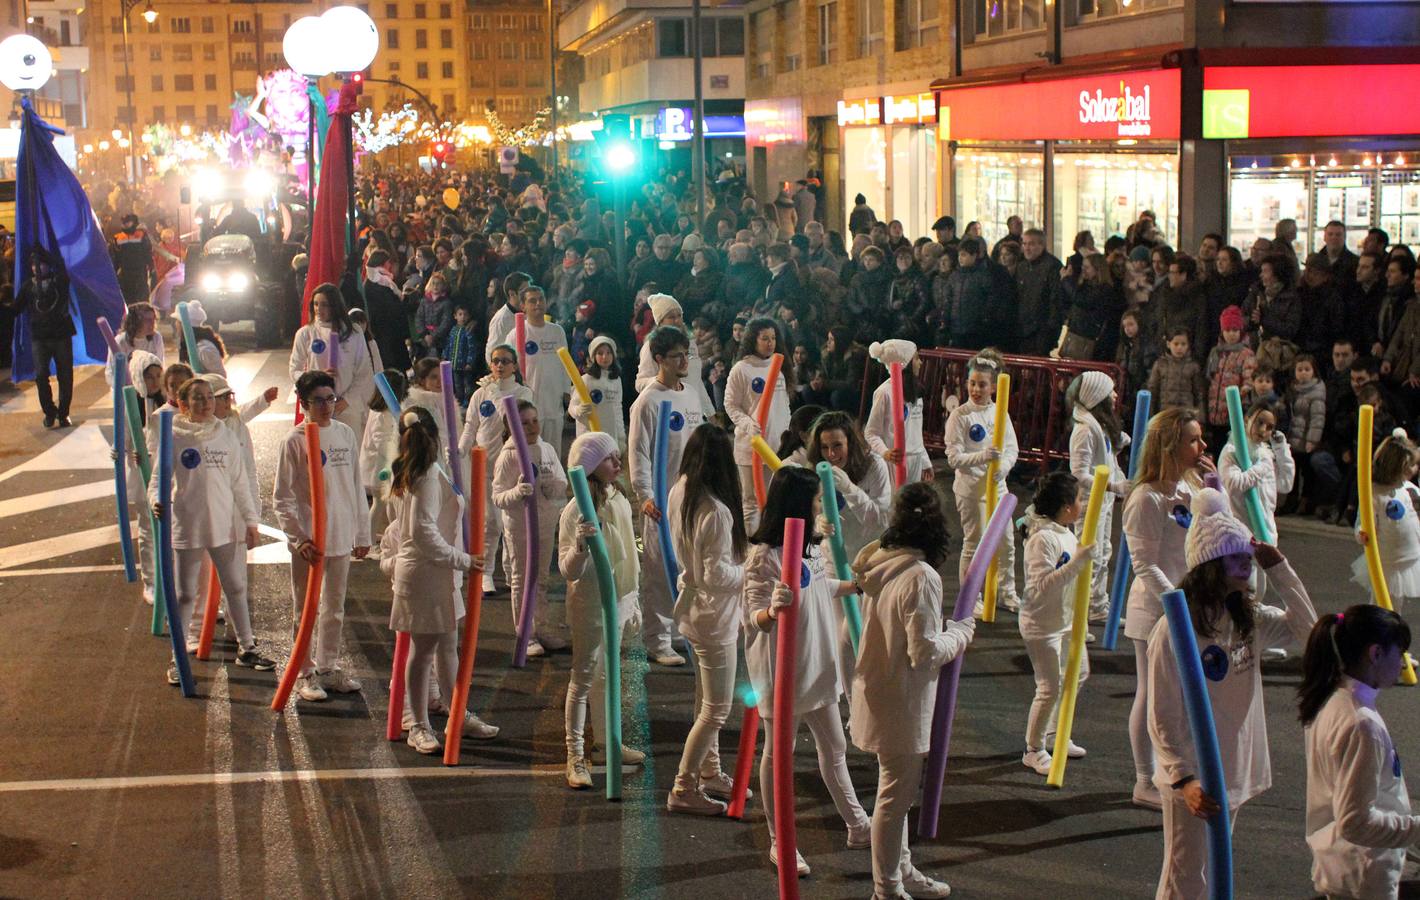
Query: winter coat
x=1038, y=312
x=1182, y=308
x=1176, y=382
x=1228, y=365
x=1403, y=351
x=697, y=290
x=435, y=317
x=971, y=307
x=462, y=347
x=1307, y=403
x=743, y=285
x=868, y=294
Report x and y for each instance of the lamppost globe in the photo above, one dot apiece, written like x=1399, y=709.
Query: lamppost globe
x=150, y=15
x=25, y=63
x=304, y=49
x=352, y=38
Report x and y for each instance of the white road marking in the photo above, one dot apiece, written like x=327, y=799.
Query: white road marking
x=26, y=399
x=83, y=448
x=204, y=779
x=71, y=570
x=50, y=499
x=63, y=545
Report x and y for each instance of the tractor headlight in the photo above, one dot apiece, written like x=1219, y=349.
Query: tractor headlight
x=238, y=281
x=211, y=282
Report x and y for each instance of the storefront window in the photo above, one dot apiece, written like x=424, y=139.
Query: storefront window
x=1400, y=206
x=1104, y=193
x=914, y=178
x=1260, y=199
x=865, y=169
x=993, y=185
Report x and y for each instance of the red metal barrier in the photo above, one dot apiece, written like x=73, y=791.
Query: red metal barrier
x=1038, y=412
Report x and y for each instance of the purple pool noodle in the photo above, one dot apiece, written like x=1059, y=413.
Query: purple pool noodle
x=525, y=615
x=451, y=424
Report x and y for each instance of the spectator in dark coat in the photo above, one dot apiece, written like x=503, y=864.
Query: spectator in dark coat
x=862, y=217
x=701, y=285
x=1095, y=307
x=1038, y=312
x=385, y=310
x=1323, y=312
x=1364, y=297
x=1179, y=304
x=1272, y=305
x=843, y=360
x=784, y=287
x=662, y=268
x=972, y=297
x=1226, y=287
x=868, y=291
x=908, y=300
x=745, y=281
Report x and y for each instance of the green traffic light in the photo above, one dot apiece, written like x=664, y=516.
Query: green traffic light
x=620, y=157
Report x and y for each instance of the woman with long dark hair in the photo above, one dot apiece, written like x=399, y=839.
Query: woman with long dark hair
x=744, y=390
x=330, y=342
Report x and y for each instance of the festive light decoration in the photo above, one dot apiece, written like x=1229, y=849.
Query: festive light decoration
x=533, y=133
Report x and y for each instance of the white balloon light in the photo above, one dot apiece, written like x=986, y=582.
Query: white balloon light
x=352, y=37
x=304, y=49
x=25, y=63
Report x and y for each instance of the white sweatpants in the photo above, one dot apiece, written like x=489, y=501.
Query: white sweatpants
x=748, y=502
x=190, y=578
x=1185, y=870
x=587, y=684
x=1100, y=576
x=1139, y=716
x=917, y=463
x=973, y=522
x=658, y=629
x=899, y=780
x=436, y=652
x=714, y=697
x=493, y=525
x=552, y=415
x=1048, y=658
x=516, y=553
x=325, y=640
x=826, y=725
x=146, y=554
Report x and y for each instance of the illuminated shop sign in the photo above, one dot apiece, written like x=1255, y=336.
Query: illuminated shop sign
x=1263, y=101
x=774, y=121
x=676, y=123
x=913, y=109
x=860, y=111
x=1096, y=107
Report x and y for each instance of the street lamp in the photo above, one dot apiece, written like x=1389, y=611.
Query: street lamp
x=307, y=56
x=150, y=15
x=352, y=41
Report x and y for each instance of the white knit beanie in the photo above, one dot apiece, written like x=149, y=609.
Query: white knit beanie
x=597, y=342
x=896, y=350
x=662, y=305
x=1095, y=388
x=1215, y=532
x=589, y=449
x=196, y=314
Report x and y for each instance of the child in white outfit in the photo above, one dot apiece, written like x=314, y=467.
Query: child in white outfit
x=1395, y=524
x=483, y=425
x=545, y=376
x=1096, y=441
x=880, y=430
x=602, y=374
x=744, y=391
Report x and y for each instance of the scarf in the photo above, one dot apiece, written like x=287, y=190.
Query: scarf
x=378, y=275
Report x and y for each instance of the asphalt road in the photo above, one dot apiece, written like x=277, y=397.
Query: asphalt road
x=112, y=785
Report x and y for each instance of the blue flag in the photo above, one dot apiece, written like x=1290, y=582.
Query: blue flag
x=52, y=212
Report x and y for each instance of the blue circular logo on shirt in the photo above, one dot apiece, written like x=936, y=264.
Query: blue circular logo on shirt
x=191, y=458
x=317, y=346
x=1215, y=662
x=906, y=411
x=977, y=432
x=597, y=395
x=803, y=576
x=1394, y=510
x=1182, y=516
x=1064, y=558
x=322, y=457
x=530, y=348
x=677, y=421
x=487, y=409
x=757, y=385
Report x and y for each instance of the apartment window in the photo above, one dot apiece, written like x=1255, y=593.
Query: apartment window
x=186, y=113
x=275, y=60
x=870, y=27
x=125, y=114
x=209, y=25
x=123, y=83
x=449, y=104
x=392, y=38
x=791, y=23
x=446, y=38
x=421, y=11
x=916, y=23
x=182, y=25
x=672, y=38
x=155, y=26
x=244, y=59
x=115, y=25
x=241, y=26
x=209, y=82
x=391, y=10
x=421, y=39
x=446, y=70
x=160, y=114
x=983, y=19
x=182, y=53
x=731, y=34
x=211, y=114
x=446, y=11
x=479, y=21
x=508, y=78
x=532, y=77
x=394, y=66
x=209, y=52
x=479, y=77
x=66, y=40
x=421, y=71
x=828, y=33
x=119, y=54
x=480, y=50
x=157, y=82
x=182, y=82
x=1082, y=11
x=507, y=50
x=532, y=51
x=155, y=53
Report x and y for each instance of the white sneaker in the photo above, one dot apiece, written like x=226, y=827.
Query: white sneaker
x=336, y=680
x=630, y=756
x=423, y=740
x=1274, y=654
x=860, y=837
x=488, y=586
x=1038, y=761
x=173, y=676
x=191, y=647
x=721, y=785
x=579, y=777
x=406, y=722
x=311, y=691
x=1074, y=750
x=693, y=803
x=922, y=886
x=668, y=658
x=1011, y=605
x=551, y=641
x=148, y=596
x=1089, y=637
x=477, y=729
x=979, y=610
x=802, y=866
x=1146, y=796
x=535, y=649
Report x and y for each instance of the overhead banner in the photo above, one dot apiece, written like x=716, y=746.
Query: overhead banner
x=1310, y=101
x=1134, y=105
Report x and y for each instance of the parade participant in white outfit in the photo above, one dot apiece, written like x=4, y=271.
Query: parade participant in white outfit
x=744, y=389
x=316, y=343
x=175, y=375
x=420, y=552
x=1053, y=559
x=211, y=352
x=378, y=448
x=1359, y=823
x=969, y=451
x=1156, y=520
x=545, y=376
x=510, y=292
x=213, y=518
x=426, y=389
x=667, y=313
x=347, y=528
x=509, y=492
x=236, y=417
x=793, y=494
x=602, y=373
x=905, y=643
x=1096, y=440
x=484, y=425
x=145, y=371
x=138, y=334
x=879, y=431
x=598, y=455
x=1395, y=524
x=1230, y=627
x=710, y=543
x=670, y=348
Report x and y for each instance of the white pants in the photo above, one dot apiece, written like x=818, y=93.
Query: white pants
x=826, y=725
x=657, y=604
x=146, y=553
x=231, y=563
x=493, y=525
x=1099, y=577
x=516, y=553
x=748, y=502
x=438, y=652
x=379, y=516
x=1139, y=716
x=715, y=695
x=1048, y=658
x=587, y=684
x=973, y=522
x=325, y=640
x=552, y=414
x=917, y=463
x=1185, y=870
x=899, y=779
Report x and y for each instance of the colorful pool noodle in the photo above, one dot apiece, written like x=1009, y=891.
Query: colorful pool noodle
x=744, y=757
x=209, y=613
x=120, y=374
x=842, y=565
x=165, y=550
x=1205, y=743
x=1366, y=512
x=944, y=710
x=188, y=338
x=120, y=474
x=660, y=487
x=332, y=350
x=520, y=337
x=766, y=453
x=310, y=607
x=786, y=655
x=761, y=417
x=998, y=441
x=394, y=716
x=391, y=401
x=579, y=384
x=611, y=629
x=1243, y=454
x=1079, y=627
x=899, y=425
x=530, y=579
x=145, y=469
x=1119, y=588
x=473, y=604
x=451, y=424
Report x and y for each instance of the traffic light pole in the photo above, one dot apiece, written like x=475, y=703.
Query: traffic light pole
x=618, y=195
x=697, y=156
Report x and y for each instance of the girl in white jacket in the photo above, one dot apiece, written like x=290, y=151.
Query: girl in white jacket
x=904, y=645
x=424, y=558
x=211, y=352
x=379, y=445
x=332, y=337
x=1156, y=520
x=793, y=493
x=509, y=492
x=484, y=425
x=139, y=333
x=1053, y=560
x=602, y=373
x=213, y=517
x=709, y=539
x=597, y=453
x=880, y=431
x=1359, y=822
x=1096, y=440
x=1230, y=628
x=145, y=372
x=1272, y=466
x=426, y=390
x=744, y=389
x=970, y=452
x=1395, y=524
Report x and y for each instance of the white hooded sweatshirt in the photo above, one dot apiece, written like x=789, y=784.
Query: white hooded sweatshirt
x=211, y=502
x=1053, y=562
x=347, y=519
x=1272, y=473
x=744, y=390
x=708, y=607
x=816, y=681
x=968, y=439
